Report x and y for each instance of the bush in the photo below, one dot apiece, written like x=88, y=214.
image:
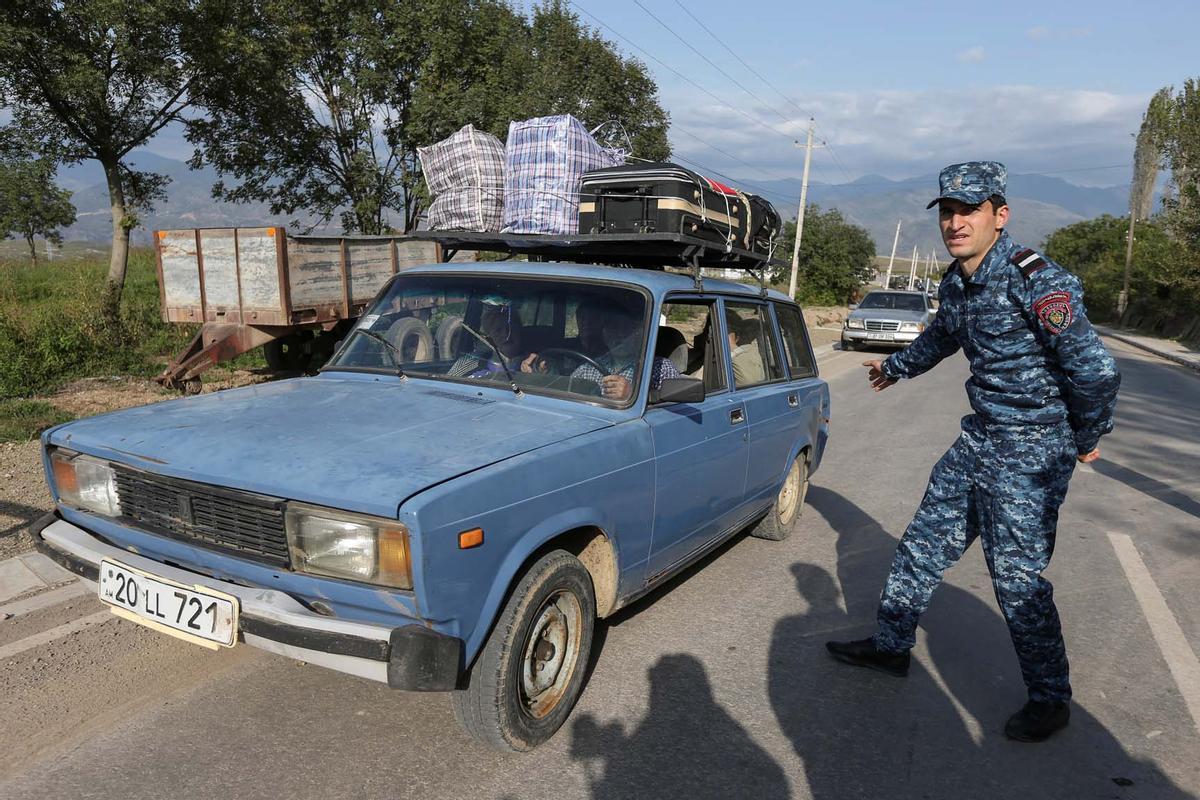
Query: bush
x=21, y=420
x=51, y=329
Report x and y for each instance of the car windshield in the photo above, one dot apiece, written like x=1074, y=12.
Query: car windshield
x=546, y=336
x=893, y=301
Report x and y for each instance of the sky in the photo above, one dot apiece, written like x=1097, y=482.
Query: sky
x=899, y=89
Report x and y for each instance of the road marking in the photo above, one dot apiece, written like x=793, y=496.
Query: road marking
x=1181, y=660
x=50, y=572
x=39, y=639
x=44, y=600
x=970, y=721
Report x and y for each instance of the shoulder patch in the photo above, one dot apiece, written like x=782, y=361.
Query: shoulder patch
x=1053, y=310
x=1028, y=261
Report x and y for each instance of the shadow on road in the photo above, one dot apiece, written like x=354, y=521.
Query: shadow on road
x=23, y=513
x=1152, y=487
x=938, y=732
x=687, y=745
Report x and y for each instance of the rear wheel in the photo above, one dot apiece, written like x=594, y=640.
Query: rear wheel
x=780, y=521
x=530, y=672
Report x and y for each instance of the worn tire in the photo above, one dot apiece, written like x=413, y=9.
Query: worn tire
x=781, y=519
x=288, y=353
x=447, y=331
x=412, y=338
x=496, y=707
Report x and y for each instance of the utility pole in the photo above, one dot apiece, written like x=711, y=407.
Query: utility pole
x=1123, y=297
x=912, y=269
x=887, y=284
x=808, y=148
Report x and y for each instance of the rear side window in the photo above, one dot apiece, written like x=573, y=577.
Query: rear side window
x=795, y=341
x=751, y=345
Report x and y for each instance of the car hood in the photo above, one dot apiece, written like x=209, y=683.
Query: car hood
x=887, y=313
x=341, y=441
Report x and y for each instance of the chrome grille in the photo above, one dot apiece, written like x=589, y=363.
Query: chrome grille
x=882, y=325
x=245, y=523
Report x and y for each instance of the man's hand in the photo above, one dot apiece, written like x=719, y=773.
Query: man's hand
x=1088, y=458
x=534, y=363
x=875, y=375
x=614, y=387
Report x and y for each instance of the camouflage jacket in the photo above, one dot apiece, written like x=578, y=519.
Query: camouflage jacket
x=1035, y=358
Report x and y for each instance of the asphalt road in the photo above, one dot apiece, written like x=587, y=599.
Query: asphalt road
x=718, y=685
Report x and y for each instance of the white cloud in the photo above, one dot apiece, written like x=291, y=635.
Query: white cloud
x=901, y=134
x=971, y=55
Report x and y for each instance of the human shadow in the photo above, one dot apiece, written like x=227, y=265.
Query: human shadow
x=1151, y=487
x=953, y=744
x=686, y=746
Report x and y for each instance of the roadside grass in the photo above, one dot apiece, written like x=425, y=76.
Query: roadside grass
x=51, y=331
x=23, y=420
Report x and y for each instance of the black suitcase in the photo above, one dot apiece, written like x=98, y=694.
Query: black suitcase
x=663, y=198
x=765, y=225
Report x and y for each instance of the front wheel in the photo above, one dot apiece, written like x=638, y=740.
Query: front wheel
x=780, y=521
x=530, y=672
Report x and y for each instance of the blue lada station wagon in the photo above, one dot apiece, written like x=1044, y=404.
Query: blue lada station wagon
x=497, y=456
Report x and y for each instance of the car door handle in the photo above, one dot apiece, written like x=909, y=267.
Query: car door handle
x=736, y=416
x=793, y=400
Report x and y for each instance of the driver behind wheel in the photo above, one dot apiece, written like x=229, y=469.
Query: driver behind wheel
x=614, y=331
x=501, y=327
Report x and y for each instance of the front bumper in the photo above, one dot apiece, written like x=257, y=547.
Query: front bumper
x=881, y=338
x=410, y=657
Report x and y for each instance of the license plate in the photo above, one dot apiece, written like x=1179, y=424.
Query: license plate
x=195, y=613
x=883, y=337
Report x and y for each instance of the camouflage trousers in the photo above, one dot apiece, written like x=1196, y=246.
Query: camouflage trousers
x=1002, y=484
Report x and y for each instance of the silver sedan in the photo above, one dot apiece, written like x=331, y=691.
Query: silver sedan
x=887, y=318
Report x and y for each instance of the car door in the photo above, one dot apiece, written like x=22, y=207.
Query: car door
x=700, y=449
x=808, y=395
x=760, y=381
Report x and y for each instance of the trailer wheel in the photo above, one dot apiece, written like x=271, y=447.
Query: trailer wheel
x=288, y=353
x=412, y=338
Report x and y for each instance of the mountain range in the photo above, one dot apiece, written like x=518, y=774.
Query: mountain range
x=1040, y=204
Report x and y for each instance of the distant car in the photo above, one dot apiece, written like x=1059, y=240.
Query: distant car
x=888, y=318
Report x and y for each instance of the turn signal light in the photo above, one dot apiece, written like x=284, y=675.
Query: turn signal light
x=471, y=538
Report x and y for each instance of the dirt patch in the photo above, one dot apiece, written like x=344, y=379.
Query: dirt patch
x=825, y=316
x=23, y=493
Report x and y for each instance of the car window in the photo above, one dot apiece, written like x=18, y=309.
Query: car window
x=893, y=301
x=752, y=348
x=692, y=323
x=795, y=340
x=550, y=337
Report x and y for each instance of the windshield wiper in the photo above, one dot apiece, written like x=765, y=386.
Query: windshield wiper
x=393, y=352
x=499, y=357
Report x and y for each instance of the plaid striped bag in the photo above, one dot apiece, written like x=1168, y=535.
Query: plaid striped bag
x=545, y=158
x=465, y=175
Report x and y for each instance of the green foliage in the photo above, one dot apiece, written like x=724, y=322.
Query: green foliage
x=320, y=105
x=836, y=257
x=30, y=203
x=1095, y=251
x=22, y=420
x=51, y=329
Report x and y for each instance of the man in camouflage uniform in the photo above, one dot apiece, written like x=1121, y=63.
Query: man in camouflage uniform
x=1043, y=389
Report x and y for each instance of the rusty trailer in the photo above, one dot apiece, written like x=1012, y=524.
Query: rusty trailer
x=294, y=296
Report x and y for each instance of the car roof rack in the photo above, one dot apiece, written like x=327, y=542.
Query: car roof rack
x=642, y=250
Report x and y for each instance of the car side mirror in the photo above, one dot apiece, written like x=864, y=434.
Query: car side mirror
x=853, y=306
x=679, y=390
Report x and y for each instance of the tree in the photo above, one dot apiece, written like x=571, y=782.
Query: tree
x=94, y=79
x=30, y=203
x=835, y=257
x=355, y=86
x=1147, y=154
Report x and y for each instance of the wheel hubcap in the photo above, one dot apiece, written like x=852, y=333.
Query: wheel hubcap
x=791, y=495
x=551, y=653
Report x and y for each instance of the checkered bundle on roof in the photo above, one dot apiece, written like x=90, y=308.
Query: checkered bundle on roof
x=545, y=159
x=465, y=175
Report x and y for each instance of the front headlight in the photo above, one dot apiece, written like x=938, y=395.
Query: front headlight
x=912, y=326
x=340, y=544
x=85, y=482
x=854, y=323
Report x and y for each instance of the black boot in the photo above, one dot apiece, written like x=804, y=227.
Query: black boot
x=863, y=653
x=1037, y=721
